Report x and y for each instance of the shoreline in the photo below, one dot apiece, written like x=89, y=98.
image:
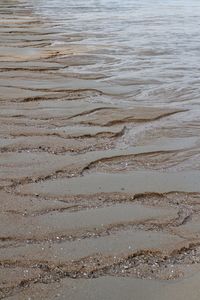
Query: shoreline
x=99, y=161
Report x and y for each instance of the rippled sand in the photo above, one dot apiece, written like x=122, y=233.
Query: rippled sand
x=99, y=150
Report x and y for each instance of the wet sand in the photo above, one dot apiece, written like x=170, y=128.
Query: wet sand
x=99, y=151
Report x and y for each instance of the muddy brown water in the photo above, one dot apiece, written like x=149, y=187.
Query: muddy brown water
x=99, y=149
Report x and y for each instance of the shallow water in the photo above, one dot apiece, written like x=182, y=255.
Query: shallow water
x=99, y=149
x=147, y=49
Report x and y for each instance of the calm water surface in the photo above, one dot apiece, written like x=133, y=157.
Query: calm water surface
x=149, y=47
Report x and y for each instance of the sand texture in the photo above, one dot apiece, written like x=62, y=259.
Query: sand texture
x=99, y=152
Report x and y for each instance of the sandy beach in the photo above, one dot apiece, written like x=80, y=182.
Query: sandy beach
x=99, y=150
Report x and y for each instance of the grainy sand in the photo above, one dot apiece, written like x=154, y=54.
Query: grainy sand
x=99, y=151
